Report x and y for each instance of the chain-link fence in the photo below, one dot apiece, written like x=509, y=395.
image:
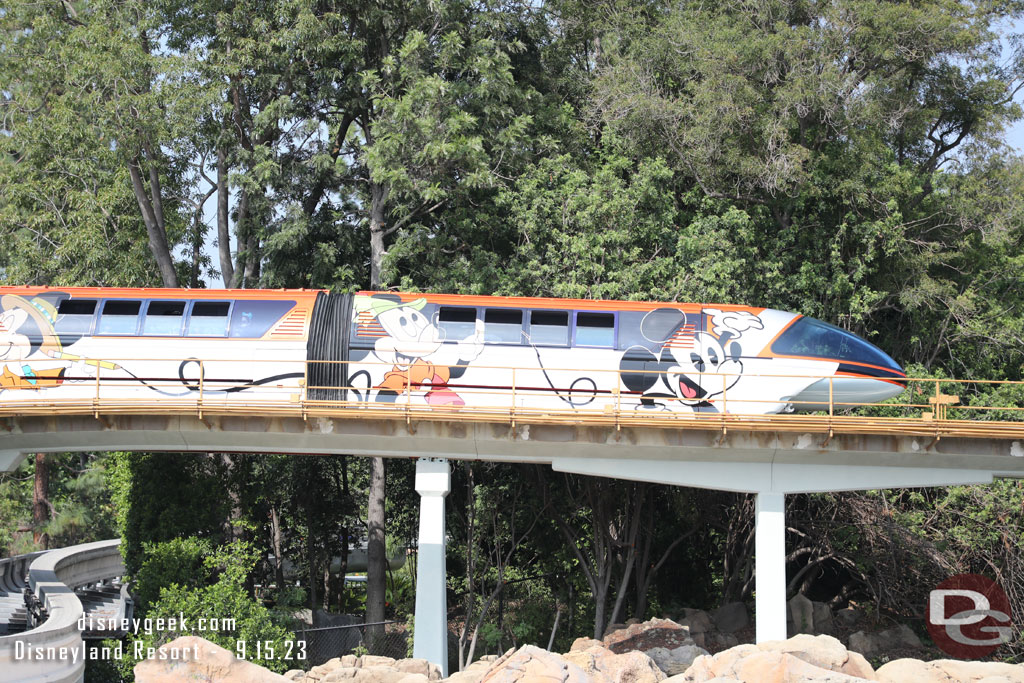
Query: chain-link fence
x=386, y=638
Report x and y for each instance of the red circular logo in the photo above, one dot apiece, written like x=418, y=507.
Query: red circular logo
x=968, y=616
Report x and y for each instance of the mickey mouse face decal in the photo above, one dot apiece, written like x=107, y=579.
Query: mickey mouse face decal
x=410, y=335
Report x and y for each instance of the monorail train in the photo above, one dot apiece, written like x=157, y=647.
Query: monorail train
x=432, y=350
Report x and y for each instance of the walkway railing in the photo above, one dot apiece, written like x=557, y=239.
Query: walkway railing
x=524, y=395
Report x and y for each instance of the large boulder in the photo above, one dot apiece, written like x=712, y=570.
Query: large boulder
x=419, y=666
x=191, y=658
x=761, y=667
x=823, y=620
x=731, y=617
x=865, y=643
x=475, y=671
x=698, y=622
x=648, y=635
x=531, y=663
x=583, y=643
x=801, y=614
x=822, y=651
x=369, y=669
x=949, y=671
x=801, y=658
x=601, y=664
x=675, y=661
x=870, y=644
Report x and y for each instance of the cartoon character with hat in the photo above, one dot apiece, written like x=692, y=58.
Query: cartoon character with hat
x=411, y=339
x=26, y=333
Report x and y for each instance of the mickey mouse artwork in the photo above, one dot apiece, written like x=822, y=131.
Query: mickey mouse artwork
x=692, y=366
x=414, y=345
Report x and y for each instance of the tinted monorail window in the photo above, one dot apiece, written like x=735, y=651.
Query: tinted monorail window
x=595, y=329
x=74, y=317
x=817, y=339
x=119, y=317
x=208, y=319
x=252, y=318
x=549, y=327
x=503, y=325
x=456, y=323
x=164, y=318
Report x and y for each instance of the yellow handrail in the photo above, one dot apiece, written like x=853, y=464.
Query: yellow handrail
x=512, y=404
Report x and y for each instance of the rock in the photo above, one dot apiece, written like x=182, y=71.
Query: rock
x=675, y=661
x=947, y=671
x=199, y=660
x=629, y=667
x=587, y=661
x=731, y=617
x=601, y=665
x=295, y=674
x=780, y=667
x=821, y=614
x=748, y=663
x=612, y=628
x=801, y=611
x=377, y=674
x=901, y=635
x=650, y=634
x=720, y=641
x=466, y=676
x=427, y=669
x=368, y=661
x=475, y=671
x=864, y=643
x=849, y=616
x=584, y=643
x=822, y=651
x=707, y=667
x=530, y=663
x=698, y=623
x=414, y=678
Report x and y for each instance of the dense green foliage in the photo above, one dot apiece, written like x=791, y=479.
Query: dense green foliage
x=845, y=160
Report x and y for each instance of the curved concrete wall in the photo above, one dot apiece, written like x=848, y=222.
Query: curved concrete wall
x=54, y=576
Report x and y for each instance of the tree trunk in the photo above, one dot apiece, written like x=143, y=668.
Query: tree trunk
x=40, y=502
x=376, y=551
x=227, y=268
x=470, y=569
x=275, y=530
x=344, y=535
x=241, y=234
x=152, y=216
x=378, y=230
x=311, y=565
x=376, y=562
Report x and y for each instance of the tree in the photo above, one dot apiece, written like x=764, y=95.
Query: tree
x=84, y=171
x=218, y=602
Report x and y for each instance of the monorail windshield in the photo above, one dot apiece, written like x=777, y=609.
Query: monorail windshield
x=817, y=339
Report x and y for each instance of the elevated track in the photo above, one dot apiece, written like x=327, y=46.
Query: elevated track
x=939, y=432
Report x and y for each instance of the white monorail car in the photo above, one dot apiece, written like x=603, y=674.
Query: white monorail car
x=430, y=350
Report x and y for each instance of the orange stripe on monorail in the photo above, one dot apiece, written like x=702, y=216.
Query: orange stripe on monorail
x=561, y=304
x=163, y=293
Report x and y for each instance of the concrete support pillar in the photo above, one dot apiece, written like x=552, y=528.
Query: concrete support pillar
x=770, y=566
x=430, y=637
